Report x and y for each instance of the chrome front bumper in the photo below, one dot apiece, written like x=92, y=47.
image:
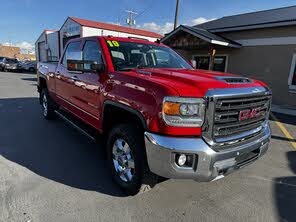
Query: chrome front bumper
x=208, y=164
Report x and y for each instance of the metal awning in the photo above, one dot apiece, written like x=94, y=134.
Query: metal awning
x=202, y=34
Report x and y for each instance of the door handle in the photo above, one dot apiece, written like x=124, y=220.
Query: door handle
x=75, y=78
x=58, y=75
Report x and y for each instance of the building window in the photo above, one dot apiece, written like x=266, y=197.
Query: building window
x=292, y=76
x=203, y=62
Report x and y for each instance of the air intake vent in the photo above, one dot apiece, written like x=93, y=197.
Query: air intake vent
x=234, y=79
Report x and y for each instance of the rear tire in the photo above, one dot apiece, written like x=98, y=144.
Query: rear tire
x=127, y=160
x=31, y=70
x=48, y=106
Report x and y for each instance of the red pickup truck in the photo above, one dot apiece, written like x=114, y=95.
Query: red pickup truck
x=160, y=116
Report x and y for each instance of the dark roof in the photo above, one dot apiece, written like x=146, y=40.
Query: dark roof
x=204, y=35
x=116, y=28
x=260, y=19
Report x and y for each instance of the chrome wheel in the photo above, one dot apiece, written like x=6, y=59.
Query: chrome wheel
x=123, y=160
x=45, y=105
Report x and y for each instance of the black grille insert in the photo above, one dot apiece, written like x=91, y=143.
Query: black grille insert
x=229, y=119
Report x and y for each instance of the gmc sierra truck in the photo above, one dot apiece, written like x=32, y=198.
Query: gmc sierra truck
x=161, y=117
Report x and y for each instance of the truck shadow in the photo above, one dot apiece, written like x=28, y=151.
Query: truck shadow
x=285, y=192
x=33, y=79
x=285, y=119
x=52, y=149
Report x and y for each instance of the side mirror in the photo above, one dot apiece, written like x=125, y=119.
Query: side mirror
x=84, y=66
x=75, y=65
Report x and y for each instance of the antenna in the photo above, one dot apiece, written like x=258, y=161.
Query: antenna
x=130, y=21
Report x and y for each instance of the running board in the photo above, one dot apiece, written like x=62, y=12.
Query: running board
x=74, y=125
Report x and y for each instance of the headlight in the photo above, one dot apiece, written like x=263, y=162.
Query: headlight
x=183, y=112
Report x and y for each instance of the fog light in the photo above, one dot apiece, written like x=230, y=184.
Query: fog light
x=182, y=160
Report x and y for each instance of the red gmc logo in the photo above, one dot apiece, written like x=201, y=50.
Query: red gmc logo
x=250, y=114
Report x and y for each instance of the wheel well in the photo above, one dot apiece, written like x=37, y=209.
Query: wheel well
x=42, y=83
x=115, y=114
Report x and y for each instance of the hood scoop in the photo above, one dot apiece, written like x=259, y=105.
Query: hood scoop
x=234, y=79
x=143, y=72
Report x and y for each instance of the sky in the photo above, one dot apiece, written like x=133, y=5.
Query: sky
x=22, y=21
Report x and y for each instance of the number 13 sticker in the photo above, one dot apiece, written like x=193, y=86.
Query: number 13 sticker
x=113, y=43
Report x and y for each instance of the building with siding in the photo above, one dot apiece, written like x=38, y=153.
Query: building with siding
x=50, y=45
x=259, y=45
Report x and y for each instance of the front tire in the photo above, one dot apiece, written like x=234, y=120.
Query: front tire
x=127, y=160
x=48, y=106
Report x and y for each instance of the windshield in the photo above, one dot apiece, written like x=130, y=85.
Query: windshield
x=131, y=55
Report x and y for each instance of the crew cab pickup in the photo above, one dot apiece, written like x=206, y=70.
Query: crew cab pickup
x=160, y=116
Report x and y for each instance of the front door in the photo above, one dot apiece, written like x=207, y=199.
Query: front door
x=88, y=85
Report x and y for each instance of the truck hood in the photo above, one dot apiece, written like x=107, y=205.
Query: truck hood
x=193, y=83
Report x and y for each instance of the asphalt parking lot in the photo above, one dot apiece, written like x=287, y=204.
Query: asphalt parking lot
x=51, y=172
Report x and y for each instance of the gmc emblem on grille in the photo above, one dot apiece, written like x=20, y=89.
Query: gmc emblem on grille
x=250, y=113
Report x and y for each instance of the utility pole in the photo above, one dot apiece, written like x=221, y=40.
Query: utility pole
x=176, y=14
x=130, y=21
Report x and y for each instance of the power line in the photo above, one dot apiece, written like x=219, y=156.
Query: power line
x=146, y=9
x=130, y=21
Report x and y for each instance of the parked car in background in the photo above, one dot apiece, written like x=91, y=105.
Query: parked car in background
x=29, y=66
x=11, y=65
x=2, y=59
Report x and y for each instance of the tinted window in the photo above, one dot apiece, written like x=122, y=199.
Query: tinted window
x=73, y=52
x=11, y=61
x=92, y=53
x=131, y=55
x=202, y=62
x=219, y=63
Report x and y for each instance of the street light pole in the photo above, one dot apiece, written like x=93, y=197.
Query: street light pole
x=176, y=14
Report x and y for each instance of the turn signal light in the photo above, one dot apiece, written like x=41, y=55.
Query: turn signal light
x=170, y=108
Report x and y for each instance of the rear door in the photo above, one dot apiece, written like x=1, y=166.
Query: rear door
x=64, y=78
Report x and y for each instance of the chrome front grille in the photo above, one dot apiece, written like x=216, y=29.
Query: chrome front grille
x=226, y=122
x=227, y=112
